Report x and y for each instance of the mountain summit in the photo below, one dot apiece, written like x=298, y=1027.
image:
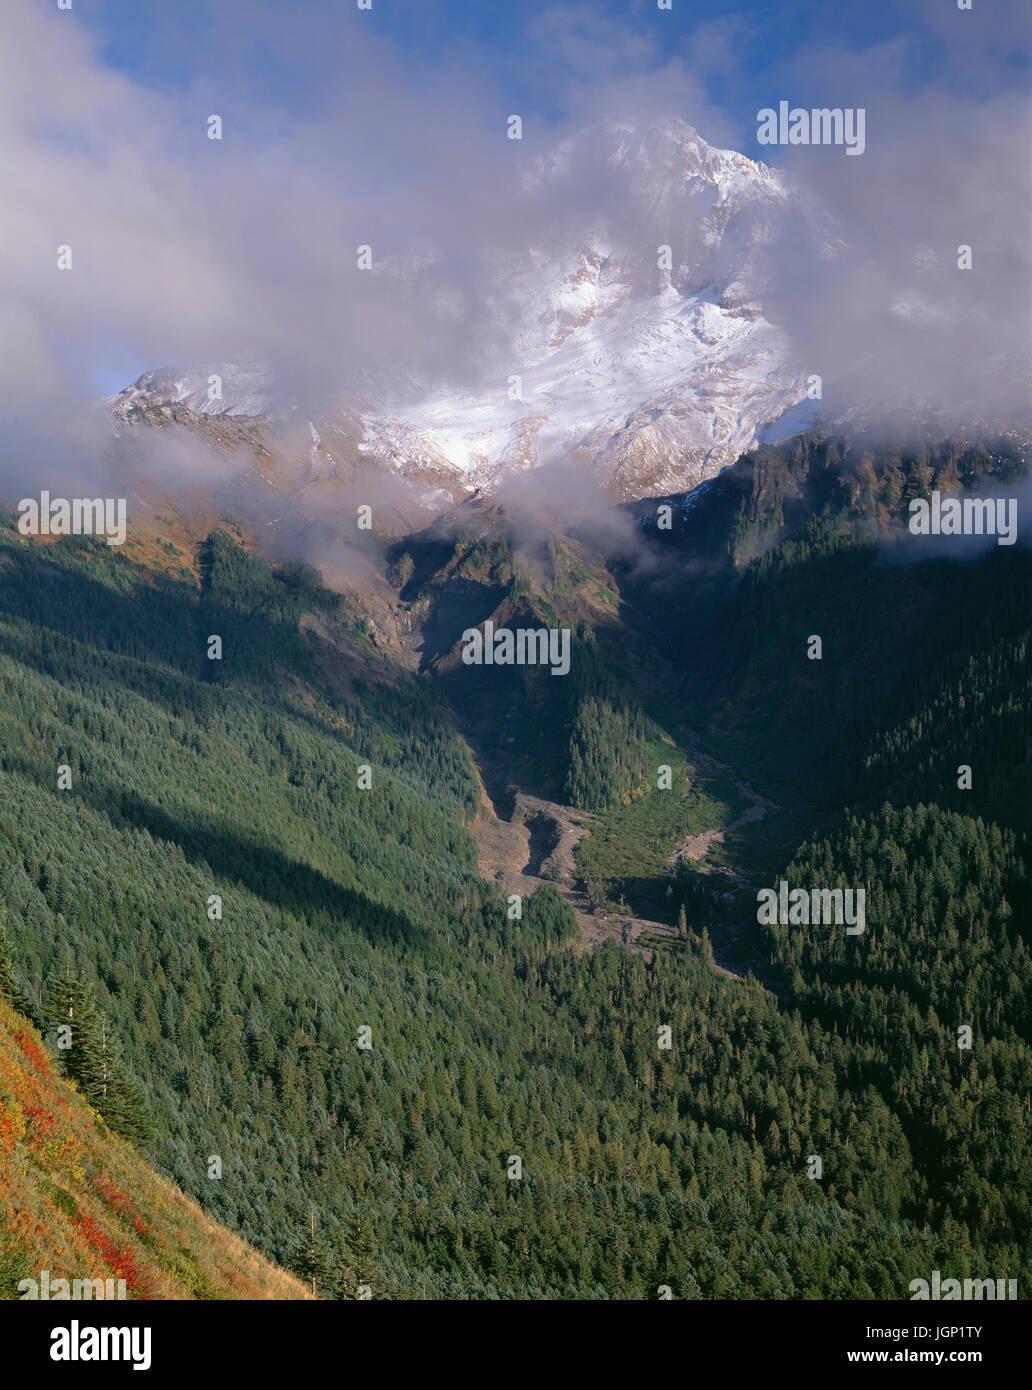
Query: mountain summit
x=641, y=353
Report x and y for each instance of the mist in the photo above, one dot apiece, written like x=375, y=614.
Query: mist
x=194, y=252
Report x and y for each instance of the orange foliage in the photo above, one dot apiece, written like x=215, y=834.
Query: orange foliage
x=120, y=1259
x=33, y=1052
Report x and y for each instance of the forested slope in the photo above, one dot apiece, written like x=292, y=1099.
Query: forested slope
x=244, y=907
x=80, y=1203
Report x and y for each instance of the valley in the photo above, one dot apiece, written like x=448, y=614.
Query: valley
x=366, y=1026
x=524, y=841
x=515, y=672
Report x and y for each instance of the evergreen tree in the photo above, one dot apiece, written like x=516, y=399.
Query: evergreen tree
x=117, y=1095
x=312, y=1261
x=90, y=1055
x=70, y=1014
x=355, y=1268
x=8, y=984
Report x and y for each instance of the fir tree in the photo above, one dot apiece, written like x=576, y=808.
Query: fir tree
x=110, y=1088
x=70, y=1013
x=312, y=1261
x=355, y=1267
x=8, y=984
x=91, y=1057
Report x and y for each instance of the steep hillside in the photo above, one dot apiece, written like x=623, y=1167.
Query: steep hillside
x=948, y=909
x=924, y=663
x=263, y=867
x=81, y=1203
x=583, y=737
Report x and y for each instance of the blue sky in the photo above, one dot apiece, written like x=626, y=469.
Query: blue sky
x=273, y=68
x=742, y=54
x=344, y=126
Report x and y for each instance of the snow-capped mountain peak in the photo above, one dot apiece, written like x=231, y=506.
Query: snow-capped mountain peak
x=225, y=389
x=641, y=352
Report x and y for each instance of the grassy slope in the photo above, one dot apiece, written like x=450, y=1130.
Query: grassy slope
x=77, y=1200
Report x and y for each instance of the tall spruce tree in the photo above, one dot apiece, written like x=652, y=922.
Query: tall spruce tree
x=70, y=1014
x=111, y=1089
x=312, y=1260
x=89, y=1051
x=355, y=1268
x=8, y=984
